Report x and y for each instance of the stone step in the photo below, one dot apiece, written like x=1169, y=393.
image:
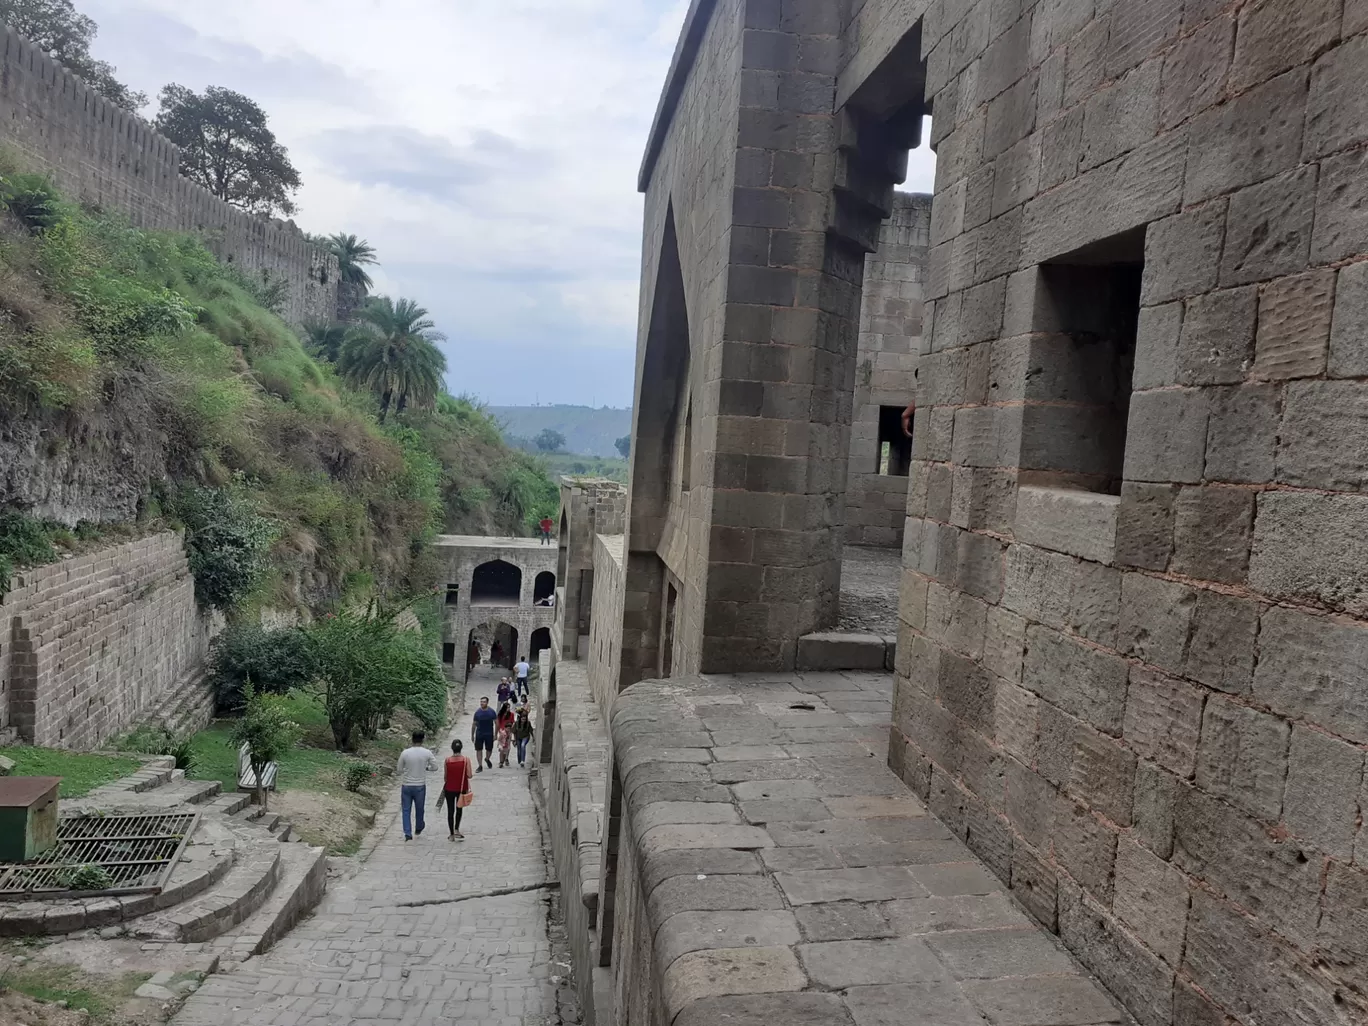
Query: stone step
x=229, y=802
x=303, y=879
x=233, y=899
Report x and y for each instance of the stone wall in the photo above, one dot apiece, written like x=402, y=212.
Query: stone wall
x=606, y=635
x=589, y=507
x=93, y=642
x=101, y=155
x=886, y=368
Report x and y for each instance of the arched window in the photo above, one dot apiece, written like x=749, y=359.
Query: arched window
x=496, y=583
x=543, y=587
x=541, y=640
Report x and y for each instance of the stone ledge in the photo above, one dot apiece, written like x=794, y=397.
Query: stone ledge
x=1067, y=520
x=834, y=650
x=821, y=890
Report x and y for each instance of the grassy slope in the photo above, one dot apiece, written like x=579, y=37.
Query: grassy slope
x=81, y=772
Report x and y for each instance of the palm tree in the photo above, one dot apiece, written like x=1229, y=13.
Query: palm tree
x=353, y=257
x=324, y=339
x=393, y=353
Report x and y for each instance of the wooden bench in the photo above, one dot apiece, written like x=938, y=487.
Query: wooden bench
x=247, y=780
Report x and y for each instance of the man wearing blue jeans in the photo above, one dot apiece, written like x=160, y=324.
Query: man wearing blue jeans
x=415, y=763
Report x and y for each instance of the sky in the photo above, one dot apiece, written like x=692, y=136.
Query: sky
x=488, y=150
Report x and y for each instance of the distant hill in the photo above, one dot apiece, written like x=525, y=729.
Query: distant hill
x=587, y=430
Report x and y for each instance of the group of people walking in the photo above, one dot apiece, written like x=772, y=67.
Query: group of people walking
x=506, y=727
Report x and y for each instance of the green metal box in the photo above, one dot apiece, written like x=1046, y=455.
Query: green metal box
x=28, y=817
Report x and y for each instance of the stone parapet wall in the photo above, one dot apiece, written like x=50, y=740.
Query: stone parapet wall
x=606, y=635
x=106, y=157
x=92, y=642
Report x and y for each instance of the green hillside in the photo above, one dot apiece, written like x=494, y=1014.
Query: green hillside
x=587, y=430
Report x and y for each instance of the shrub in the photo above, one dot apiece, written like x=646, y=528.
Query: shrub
x=32, y=199
x=275, y=660
x=229, y=544
x=88, y=877
x=23, y=542
x=154, y=739
x=357, y=774
x=267, y=732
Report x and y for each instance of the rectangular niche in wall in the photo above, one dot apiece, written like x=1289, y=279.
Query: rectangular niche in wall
x=895, y=448
x=449, y=652
x=453, y=594
x=1082, y=360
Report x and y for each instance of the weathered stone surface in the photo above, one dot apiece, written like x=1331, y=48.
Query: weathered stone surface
x=1195, y=73
x=1103, y=775
x=1156, y=346
x=1182, y=253
x=1243, y=439
x=1086, y=848
x=1243, y=757
x=1142, y=981
x=988, y=954
x=1166, y=439
x=1341, y=208
x=878, y=883
x=1211, y=535
x=1343, y=930
x=1163, y=720
x=1156, y=793
x=1323, y=425
x=1151, y=899
x=1217, y=341
x=1312, y=547
x=1268, y=228
x=698, y=931
x=1322, y=796
x=1248, y=139
x=1336, y=109
x=725, y=971
x=1155, y=619
x=1084, y=681
x=1314, y=669
x=1144, y=525
x=1349, y=325
x=842, y=920
x=863, y=963
x=887, y=1005
x=1060, y=1000
x=1035, y=885
x=1294, y=326
x=1079, y=523
x=1221, y=646
x=806, y=1009
x=1281, y=34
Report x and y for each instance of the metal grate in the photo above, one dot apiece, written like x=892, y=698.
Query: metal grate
x=136, y=852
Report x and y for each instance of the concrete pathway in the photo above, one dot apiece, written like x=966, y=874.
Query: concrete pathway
x=390, y=945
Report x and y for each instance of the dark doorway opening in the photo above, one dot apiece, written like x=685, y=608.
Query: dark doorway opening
x=496, y=583
x=453, y=594
x=543, y=588
x=498, y=645
x=895, y=448
x=449, y=652
x=541, y=641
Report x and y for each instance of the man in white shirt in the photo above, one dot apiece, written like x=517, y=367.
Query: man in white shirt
x=521, y=671
x=415, y=763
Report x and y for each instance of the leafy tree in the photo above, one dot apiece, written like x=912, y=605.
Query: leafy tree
x=266, y=731
x=624, y=446
x=353, y=257
x=394, y=354
x=227, y=148
x=276, y=660
x=55, y=27
x=549, y=440
x=324, y=339
x=229, y=544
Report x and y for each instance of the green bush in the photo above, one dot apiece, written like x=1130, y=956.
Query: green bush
x=154, y=739
x=357, y=775
x=266, y=730
x=32, y=199
x=229, y=544
x=88, y=877
x=23, y=542
x=275, y=660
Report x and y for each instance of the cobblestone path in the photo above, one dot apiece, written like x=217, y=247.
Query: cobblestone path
x=389, y=945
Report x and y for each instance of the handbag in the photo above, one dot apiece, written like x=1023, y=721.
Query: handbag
x=464, y=799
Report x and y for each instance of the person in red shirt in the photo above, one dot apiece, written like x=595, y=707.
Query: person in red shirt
x=455, y=785
x=545, y=525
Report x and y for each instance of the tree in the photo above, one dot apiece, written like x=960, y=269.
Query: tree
x=549, y=440
x=353, y=257
x=624, y=446
x=393, y=353
x=58, y=30
x=324, y=339
x=227, y=148
x=266, y=731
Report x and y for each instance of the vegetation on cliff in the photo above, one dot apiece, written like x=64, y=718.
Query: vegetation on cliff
x=96, y=315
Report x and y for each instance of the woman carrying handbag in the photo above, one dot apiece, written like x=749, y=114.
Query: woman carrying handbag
x=456, y=790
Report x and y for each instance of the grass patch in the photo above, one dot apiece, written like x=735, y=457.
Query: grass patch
x=81, y=772
x=100, y=996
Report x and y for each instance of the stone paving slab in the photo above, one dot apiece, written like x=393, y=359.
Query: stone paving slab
x=819, y=890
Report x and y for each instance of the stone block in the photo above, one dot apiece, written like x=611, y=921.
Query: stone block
x=1086, y=848
x=1243, y=757
x=875, y=883
x=1083, y=681
x=1221, y=647
x=1054, y=749
x=1043, y=999
x=1014, y=721
x=1355, y=17
x=1163, y=720
x=1156, y=346
x=1248, y=972
x=1156, y=793
x=1144, y=525
x=1212, y=530
x=1140, y=979
x=1032, y=805
x=1313, y=548
x=1312, y=668
x=1166, y=436
x=866, y=963
x=1337, y=107
x=1294, y=326
x=1121, y=116
x=1324, y=424
x=1349, y=326
x=835, y=650
x=727, y=971
x=1242, y=439
x=966, y=690
x=992, y=954
x=1341, y=208
x=1343, y=931
x=1035, y=885
x=1155, y=619
x=885, y=1005
x=796, y=1009
x=1247, y=139
x=1281, y=34
x=1217, y=340
x=1095, y=603
x=1151, y=899
x=1195, y=72
x=1183, y=253
x=980, y=562
x=1103, y=776
x=699, y=931
x=1080, y=523
x=1268, y=228
x=1323, y=780
x=1278, y=881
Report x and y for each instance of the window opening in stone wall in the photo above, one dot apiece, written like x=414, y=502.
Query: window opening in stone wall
x=453, y=594
x=1083, y=362
x=495, y=583
x=449, y=652
x=667, y=632
x=895, y=448
x=539, y=642
x=543, y=588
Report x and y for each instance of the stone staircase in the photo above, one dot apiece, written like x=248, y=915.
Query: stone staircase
x=242, y=882
x=186, y=707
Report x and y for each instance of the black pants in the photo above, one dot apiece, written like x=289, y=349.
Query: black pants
x=453, y=811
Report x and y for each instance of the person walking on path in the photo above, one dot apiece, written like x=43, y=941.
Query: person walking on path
x=505, y=690
x=545, y=525
x=522, y=734
x=455, y=790
x=412, y=770
x=505, y=739
x=472, y=656
x=520, y=672
x=482, y=734
x=496, y=655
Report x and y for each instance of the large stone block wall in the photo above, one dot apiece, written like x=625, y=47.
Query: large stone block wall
x=1146, y=711
x=106, y=157
x=886, y=367
x=589, y=507
x=92, y=642
x=607, y=639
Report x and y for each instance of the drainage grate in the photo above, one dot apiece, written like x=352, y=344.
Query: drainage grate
x=136, y=853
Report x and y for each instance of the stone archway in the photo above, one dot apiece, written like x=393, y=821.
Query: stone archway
x=498, y=643
x=543, y=588
x=496, y=583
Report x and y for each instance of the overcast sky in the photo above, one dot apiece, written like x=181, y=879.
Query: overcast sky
x=488, y=149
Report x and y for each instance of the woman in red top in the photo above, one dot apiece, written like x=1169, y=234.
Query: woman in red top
x=456, y=783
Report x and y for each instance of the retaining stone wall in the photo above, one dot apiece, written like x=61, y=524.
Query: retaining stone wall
x=607, y=637
x=92, y=642
x=111, y=159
